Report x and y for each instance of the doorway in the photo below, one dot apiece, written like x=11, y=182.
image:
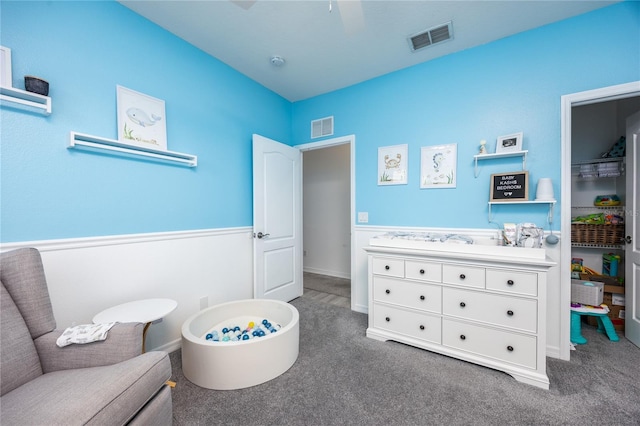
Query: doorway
x=328, y=206
x=569, y=102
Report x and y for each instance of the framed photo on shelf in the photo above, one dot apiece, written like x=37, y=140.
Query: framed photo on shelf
x=141, y=120
x=392, y=165
x=510, y=186
x=5, y=67
x=438, y=166
x=509, y=143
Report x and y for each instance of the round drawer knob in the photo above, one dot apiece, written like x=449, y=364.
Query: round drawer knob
x=462, y=276
x=462, y=337
x=462, y=304
x=510, y=348
x=422, y=327
x=510, y=313
x=422, y=271
x=387, y=319
x=421, y=297
x=510, y=282
x=387, y=267
x=387, y=291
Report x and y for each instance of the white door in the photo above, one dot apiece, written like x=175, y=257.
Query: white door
x=632, y=252
x=277, y=220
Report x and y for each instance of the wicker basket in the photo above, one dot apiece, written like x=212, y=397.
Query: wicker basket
x=597, y=234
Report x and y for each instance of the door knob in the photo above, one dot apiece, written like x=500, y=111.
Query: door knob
x=628, y=239
x=261, y=235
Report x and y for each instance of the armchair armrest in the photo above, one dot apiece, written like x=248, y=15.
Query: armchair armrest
x=123, y=342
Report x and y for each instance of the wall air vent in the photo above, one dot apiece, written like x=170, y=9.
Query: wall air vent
x=431, y=36
x=322, y=127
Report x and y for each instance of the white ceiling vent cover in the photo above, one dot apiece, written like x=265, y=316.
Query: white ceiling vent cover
x=431, y=36
x=322, y=127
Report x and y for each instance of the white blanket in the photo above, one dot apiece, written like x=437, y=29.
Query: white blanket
x=85, y=333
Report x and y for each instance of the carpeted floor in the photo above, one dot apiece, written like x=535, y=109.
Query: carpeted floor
x=341, y=377
x=327, y=289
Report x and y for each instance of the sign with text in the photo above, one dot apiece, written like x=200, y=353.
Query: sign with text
x=512, y=186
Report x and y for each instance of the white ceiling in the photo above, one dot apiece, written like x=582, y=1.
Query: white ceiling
x=324, y=51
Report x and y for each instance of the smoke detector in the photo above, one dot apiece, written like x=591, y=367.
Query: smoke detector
x=277, y=61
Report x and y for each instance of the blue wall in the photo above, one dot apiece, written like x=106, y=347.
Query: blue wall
x=86, y=49
x=508, y=86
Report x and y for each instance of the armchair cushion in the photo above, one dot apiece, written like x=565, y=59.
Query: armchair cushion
x=23, y=276
x=99, y=395
x=20, y=362
x=123, y=342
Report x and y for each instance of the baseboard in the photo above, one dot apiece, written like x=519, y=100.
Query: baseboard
x=345, y=275
x=170, y=346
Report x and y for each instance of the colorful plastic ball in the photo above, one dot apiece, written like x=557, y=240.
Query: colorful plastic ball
x=236, y=328
x=209, y=336
x=252, y=324
x=225, y=330
x=245, y=337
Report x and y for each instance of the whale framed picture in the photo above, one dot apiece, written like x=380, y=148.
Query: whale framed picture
x=142, y=120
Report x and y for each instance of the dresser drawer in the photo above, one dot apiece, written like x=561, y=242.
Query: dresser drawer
x=414, y=295
x=468, y=276
x=501, y=345
x=524, y=283
x=420, y=326
x=504, y=311
x=388, y=266
x=426, y=271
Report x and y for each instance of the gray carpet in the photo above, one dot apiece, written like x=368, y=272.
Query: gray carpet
x=343, y=378
x=326, y=284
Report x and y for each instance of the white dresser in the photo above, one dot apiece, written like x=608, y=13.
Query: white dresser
x=484, y=306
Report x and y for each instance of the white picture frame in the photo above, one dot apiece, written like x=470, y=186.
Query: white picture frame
x=6, y=79
x=438, y=166
x=141, y=120
x=509, y=143
x=393, y=164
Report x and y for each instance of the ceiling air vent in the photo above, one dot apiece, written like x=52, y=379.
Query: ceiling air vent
x=322, y=127
x=431, y=36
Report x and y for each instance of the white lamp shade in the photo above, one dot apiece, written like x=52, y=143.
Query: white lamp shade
x=544, y=191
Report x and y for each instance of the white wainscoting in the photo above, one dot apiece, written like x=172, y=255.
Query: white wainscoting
x=359, y=286
x=88, y=275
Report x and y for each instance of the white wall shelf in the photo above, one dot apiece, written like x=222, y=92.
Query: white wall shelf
x=550, y=203
x=22, y=97
x=80, y=140
x=480, y=157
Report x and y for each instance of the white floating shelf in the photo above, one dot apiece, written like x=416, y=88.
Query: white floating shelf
x=22, y=97
x=551, y=203
x=479, y=157
x=79, y=140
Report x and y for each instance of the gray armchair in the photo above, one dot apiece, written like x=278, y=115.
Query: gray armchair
x=101, y=383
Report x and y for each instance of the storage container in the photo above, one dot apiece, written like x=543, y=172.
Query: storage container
x=587, y=292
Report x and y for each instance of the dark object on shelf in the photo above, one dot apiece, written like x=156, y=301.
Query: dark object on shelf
x=617, y=150
x=36, y=85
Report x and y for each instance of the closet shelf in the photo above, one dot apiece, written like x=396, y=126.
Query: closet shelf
x=22, y=97
x=480, y=157
x=598, y=246
x=80, y=140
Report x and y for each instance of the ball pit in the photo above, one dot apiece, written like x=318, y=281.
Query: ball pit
x=238, y=363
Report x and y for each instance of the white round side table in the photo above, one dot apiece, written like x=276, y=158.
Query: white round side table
x=146, y=311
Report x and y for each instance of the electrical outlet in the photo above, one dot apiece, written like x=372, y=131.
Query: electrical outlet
x=363, y=217
x=204, y=302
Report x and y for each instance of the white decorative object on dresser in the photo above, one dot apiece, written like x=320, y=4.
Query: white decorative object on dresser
x=479, y=303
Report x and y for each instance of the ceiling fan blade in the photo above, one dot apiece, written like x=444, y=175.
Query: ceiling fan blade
x=245, y=4
x=352, y=17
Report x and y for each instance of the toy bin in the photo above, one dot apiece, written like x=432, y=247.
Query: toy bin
x=587, y=292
